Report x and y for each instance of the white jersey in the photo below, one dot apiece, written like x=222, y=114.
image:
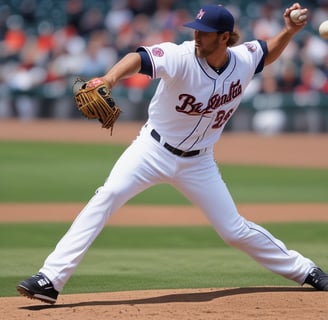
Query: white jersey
x=200, y=101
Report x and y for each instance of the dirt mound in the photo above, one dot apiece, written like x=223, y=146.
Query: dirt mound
x=263, y=303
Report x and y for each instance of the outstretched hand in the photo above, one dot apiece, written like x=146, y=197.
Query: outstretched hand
x=290, y=25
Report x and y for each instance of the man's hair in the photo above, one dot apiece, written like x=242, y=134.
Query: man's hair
x=233, y=38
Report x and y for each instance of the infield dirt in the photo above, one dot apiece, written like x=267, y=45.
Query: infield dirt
x=305, y=150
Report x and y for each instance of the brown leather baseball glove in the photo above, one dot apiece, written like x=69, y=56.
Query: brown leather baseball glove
x=96, y=102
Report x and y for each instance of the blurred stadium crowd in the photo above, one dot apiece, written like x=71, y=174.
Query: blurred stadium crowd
x=45, y=44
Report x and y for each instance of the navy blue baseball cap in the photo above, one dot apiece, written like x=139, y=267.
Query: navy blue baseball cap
x=212, y=18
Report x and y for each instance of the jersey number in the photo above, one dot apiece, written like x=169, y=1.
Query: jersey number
x=221, y=118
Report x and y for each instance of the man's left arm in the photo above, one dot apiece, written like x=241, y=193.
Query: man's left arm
x=277, y=44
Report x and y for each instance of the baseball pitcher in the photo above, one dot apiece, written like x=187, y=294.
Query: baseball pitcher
x=201, y=85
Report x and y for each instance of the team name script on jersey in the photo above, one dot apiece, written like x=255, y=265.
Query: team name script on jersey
x=191, y=107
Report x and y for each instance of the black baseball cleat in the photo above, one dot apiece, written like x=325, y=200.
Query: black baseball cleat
x=38, y=287
x=317, y=279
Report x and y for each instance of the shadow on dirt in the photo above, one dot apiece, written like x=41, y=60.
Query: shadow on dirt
x=177, y=297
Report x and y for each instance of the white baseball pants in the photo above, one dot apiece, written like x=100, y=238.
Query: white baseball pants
x=145, y=163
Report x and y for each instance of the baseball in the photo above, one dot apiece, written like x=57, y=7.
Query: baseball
x=297, y=16
x=323, y=30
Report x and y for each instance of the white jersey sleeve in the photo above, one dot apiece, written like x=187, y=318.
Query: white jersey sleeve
x=252, y=54
x=166, y=59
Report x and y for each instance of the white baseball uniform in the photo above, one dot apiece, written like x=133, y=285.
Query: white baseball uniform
x=187, y=114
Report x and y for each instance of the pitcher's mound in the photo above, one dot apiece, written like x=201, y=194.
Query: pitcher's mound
x=204, y=304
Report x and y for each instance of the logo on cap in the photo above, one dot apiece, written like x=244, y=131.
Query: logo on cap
x=200, y=14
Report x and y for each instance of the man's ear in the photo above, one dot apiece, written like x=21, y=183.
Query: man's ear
x=225, y=36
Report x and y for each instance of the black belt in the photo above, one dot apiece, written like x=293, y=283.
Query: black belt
x=173, y=150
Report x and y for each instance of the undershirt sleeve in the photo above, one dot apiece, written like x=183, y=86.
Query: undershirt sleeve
x=264, y=46
x=146, y=65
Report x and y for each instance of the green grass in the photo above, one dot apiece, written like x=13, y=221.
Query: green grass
x=131, y=258
x=136, y=258
x=59, y=172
